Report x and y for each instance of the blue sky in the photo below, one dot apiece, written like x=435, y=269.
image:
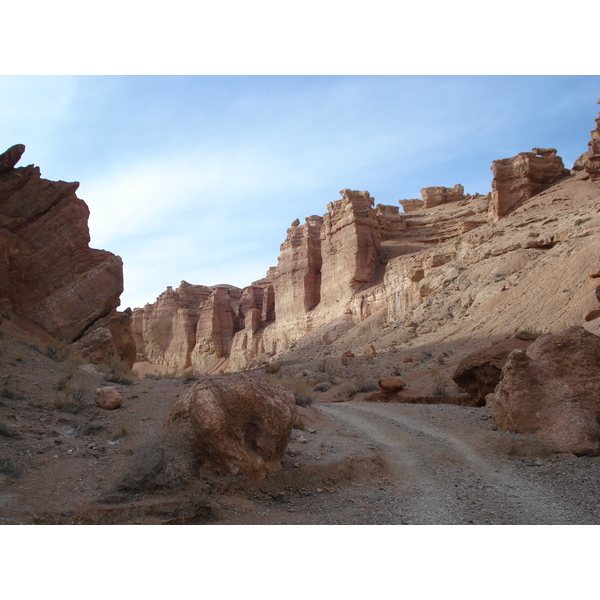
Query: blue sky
x=196, y=178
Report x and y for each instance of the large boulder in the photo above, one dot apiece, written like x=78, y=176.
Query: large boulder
x=479, y=372
x=552, y=391
x=236, y=425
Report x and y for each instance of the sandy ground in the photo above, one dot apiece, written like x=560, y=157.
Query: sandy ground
x=348, y=462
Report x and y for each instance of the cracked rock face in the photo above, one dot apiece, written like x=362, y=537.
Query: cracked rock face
x=48, y=272
x=552, y=391
x=239, y=425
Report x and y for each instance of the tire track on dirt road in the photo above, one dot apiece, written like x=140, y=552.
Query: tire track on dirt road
x=439, y=478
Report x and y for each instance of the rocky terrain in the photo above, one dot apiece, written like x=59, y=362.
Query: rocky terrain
x=436, y=365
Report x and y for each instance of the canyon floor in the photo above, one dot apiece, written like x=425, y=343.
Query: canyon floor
x=63, y=460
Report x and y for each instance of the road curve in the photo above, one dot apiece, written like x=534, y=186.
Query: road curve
x=440, y=474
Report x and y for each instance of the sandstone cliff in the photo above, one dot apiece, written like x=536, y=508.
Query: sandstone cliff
x=48, y=273
x=458, y=265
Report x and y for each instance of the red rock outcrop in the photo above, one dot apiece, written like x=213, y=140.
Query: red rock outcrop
x=238, y=425
x=518, y=178
x=445, y=264
x=48, y=273
x=552, y=391
x=479, y=372
x=165, y=332
x=592, y=162
x=434, y=196
x=297, y=278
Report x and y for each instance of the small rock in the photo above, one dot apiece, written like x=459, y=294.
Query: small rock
x=108, y=398
x=302, y=440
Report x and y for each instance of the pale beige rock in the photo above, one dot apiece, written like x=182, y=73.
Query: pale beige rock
x=411, y=204
x=518, y=178
x=434, y=196
x=236, y=425
x=108, y=398
x=591, y=163
x=552, y=391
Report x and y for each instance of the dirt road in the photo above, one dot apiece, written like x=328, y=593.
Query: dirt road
x=437, y=465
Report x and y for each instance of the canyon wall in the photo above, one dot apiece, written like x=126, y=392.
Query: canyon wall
x=449, y=262
x=48, y=273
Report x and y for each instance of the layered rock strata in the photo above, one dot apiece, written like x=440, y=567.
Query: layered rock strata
x=464, y=265
x=48, y=273
x=592, y=163
x=518, y=178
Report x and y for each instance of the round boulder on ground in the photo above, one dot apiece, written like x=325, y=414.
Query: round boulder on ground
x=236, y=425
x=108, y=398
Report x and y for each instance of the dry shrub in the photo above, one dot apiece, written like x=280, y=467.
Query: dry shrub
x=273, y=368
x=161, y=465
x=10, y=468
x=440, y=384
x=71, y=399
x=116, y=370
x=8, y=432
x=302, y=390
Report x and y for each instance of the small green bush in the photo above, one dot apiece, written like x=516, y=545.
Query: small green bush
x=582, y=221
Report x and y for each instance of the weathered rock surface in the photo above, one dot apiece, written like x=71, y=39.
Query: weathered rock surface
x=238, y=425
x=48, y=273
x=591, y=162
x=518, y=178
x=468, y=267
x=108, y=398
x=552, y=391
x=479, y=373
x=434, y=196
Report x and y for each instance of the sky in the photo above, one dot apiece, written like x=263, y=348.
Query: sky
x=197, y=178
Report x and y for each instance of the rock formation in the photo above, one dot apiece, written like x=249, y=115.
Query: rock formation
x=592, y=162
x=552, y=391
x=479, y=372
x=518, y=178
x=48, y=273
x=108, y=398
x=239, y=425
x=452, y=264
x=434, y=196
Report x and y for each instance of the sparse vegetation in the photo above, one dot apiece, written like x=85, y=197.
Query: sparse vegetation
x=10, y=468
x=116, y=370
x=498, y=233
x=273, y=367
x=582, y=221
x=57, y=353
x=324, y=386
x=302, y=390
x=8, y=391
x=70, y=400
x=8, y=432
x=346, y=359
x=158, y=466
x=440, y=384
x=322, y=366
x=527, y=334
x=396, y=371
